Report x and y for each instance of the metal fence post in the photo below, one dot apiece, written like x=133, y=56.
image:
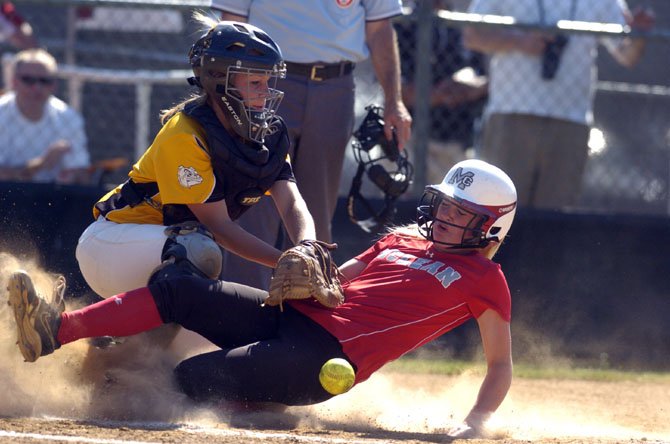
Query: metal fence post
x=423, y=82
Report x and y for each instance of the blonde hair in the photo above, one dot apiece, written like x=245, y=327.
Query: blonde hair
x=207, y=22
x=35, y=55
x=408, y=230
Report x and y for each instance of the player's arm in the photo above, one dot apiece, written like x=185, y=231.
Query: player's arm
x=228, y=234
x=293, y=211
x=381, y=39
x=497, y=344
x=352, y=268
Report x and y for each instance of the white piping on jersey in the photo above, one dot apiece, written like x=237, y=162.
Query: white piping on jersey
x=444, y=327
x=406, y=324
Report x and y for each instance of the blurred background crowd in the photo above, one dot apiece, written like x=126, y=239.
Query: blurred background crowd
x=120, y=63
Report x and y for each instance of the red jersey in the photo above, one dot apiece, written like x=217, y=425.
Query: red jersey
x=408, y=295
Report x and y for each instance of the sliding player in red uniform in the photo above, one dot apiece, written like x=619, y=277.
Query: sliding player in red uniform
x=413, y=285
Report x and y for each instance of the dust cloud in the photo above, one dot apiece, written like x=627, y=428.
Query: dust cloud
x=133, y=382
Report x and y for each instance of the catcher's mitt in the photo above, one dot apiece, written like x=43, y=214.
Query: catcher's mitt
x=306, y=270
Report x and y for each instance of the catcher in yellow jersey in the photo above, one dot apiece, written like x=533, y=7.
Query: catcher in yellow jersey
x=216, y=156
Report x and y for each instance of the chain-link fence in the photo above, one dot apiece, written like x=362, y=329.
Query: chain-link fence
x=124, y=61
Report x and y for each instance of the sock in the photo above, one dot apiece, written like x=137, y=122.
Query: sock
x=125, y=314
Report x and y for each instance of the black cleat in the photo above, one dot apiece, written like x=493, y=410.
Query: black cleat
x=37, y=320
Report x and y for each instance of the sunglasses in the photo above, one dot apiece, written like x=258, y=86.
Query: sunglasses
x=32, y=80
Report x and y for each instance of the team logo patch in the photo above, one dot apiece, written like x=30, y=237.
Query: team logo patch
x=188, y=176
x=461, y=179
x=344, y=3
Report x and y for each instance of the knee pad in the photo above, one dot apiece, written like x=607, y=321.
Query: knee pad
x=198, y=245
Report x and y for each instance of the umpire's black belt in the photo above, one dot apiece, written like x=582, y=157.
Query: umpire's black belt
x=320, y=71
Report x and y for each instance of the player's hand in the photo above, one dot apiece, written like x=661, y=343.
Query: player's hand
x=463, y=431
x=396, y=117
x=474, y=426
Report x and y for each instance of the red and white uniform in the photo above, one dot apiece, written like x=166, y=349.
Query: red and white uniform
x=391, y=308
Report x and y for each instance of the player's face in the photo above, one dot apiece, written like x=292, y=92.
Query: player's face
x=254, y=89
x=449, y=218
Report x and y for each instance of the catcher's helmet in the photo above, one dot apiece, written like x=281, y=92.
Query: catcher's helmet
x=238, y=48
x=385, y=166
x=481, y=190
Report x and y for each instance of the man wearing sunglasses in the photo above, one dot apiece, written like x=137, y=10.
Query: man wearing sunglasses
x=42, y=139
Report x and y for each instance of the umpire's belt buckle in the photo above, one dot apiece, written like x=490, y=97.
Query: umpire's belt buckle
x=313, y=76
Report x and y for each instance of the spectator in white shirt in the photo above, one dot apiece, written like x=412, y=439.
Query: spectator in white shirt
x=42, y=138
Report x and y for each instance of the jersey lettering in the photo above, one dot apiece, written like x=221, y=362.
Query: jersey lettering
x=444, y=274
x=432, y=267
x=448, y=276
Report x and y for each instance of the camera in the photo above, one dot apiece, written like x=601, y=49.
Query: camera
x=551, y=58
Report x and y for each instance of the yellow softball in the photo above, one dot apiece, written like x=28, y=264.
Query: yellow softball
x=337, y=376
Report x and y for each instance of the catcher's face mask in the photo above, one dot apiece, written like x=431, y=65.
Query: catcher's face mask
x=238, y=66
x=384, y=165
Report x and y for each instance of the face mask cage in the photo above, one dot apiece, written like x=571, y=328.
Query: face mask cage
x=473, y=232
x=250, y=109
x=384, y=165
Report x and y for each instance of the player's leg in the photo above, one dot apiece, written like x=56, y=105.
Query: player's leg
x=284, y=368
x=224, y=313
x=114, y=258
x=43, y=326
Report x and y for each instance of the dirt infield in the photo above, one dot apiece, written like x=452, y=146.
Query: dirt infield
x=125, y=395
x=539, y=411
